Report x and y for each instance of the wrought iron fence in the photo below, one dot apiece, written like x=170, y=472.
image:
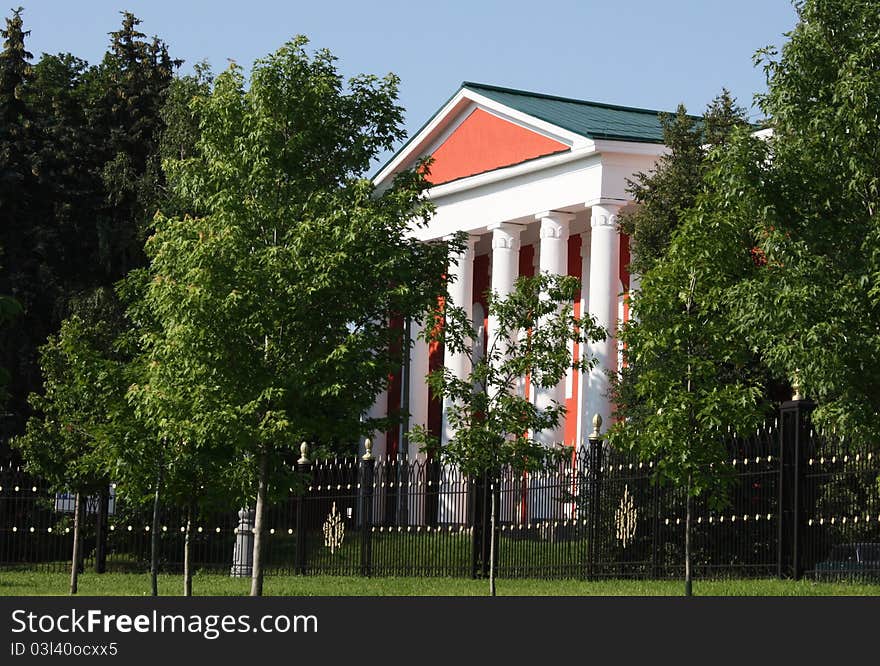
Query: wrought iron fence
x=795, y=505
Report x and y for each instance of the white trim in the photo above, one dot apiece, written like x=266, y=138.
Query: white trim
x=518, y=117
x=504, y=173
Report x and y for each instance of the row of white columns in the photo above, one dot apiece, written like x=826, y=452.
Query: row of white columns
x=600, y=290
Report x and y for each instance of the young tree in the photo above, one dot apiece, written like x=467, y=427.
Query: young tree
x=65, y=442
x=494, y=424
x=687, y=375
x=272, y=305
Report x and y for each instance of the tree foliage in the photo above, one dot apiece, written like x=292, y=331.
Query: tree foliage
x=493, y=422
x=80, y=179
x=809, y=197
x=664, y=195
x=272, y=304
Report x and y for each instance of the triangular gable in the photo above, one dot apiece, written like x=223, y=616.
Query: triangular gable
x=472, y=134
x=484, y=142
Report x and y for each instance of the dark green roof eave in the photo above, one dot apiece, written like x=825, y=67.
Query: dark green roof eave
x=559, y=98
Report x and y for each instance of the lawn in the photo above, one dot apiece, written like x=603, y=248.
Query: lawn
x=26, y=583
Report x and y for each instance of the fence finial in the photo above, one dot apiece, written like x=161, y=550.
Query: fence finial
x=304, y=454
x=368, y=446
x=597, y=426
x=796, y=386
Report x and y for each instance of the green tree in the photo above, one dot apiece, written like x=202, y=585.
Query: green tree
x=272, y=304
x=809, y=197
x=688, y=376
x=66, y=442
x=494, y=424
x=79, y=182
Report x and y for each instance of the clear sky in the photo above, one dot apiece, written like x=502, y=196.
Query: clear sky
x=645, y=53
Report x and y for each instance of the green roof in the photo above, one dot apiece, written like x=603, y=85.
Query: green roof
x=590, y=119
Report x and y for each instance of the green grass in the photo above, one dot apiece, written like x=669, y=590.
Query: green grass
x=26, y=583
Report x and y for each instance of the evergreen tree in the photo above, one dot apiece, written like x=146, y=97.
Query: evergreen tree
x=666, y=193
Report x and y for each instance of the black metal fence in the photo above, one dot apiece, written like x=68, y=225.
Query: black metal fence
x=796, y=505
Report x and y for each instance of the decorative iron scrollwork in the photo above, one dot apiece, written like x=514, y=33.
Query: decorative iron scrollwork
x=334, y=530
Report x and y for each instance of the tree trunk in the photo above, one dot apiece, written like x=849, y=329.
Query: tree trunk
x=688, y=577
x=77, y=548
x=187, y=564
x=154, y=540
x=257, y=570
x=492, y=541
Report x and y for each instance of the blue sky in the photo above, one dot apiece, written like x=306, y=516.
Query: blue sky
x=632, y=52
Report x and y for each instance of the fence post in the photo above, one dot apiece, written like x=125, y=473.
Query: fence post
x=482, y=532
x=101, y=531
x=367, y=465
x=793, y=440
x=595, y=458
x=304, y=467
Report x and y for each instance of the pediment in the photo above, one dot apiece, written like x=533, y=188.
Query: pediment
x=484, y=142
x=473, y=134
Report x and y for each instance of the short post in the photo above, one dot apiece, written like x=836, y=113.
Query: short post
x=367, y=465
x=304, y=467
x=243, y=552
x=595, y=458
x=101, y=531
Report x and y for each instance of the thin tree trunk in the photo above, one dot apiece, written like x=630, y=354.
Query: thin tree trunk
x=187, y=564
x=492, y=542
x=77, y=547
x=154, y=540
x=688, y=578
x=262, y=483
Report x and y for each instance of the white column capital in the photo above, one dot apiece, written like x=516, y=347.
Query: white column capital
x=557, y=215
x=505, y=236
x=604, y=216
x=554, y=224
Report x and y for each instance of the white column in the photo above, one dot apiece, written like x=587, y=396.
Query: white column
x=453, y=508
x=553, y=259
x=603, y=302
x=418, y=409
x=583, y=425
x=505, y=265
x=461, y=294
x=505, y=270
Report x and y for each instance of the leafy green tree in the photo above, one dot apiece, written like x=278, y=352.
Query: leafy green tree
x=494, y=424
x=809, y=196
x=272, y=304
x=65, y=441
